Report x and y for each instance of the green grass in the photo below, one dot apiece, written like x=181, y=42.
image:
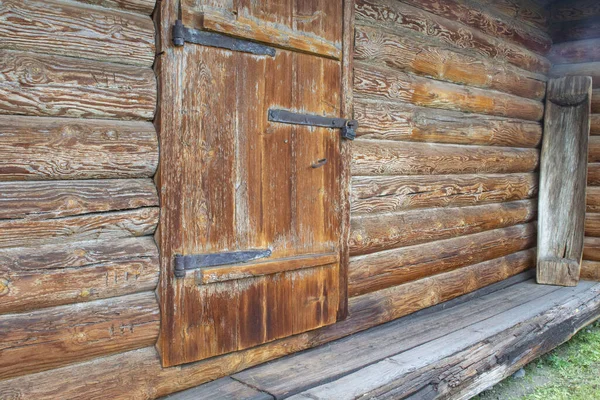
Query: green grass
x=570, y=372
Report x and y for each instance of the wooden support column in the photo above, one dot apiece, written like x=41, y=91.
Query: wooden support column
x=563, y=175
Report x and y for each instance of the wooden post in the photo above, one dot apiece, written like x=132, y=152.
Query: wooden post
x=563, y=175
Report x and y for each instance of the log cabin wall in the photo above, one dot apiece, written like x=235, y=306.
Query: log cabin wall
x=448, y=95
x=575, y=27
x=78, y=206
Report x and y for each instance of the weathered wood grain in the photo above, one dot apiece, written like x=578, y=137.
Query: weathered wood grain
x=58, y=86
x=108, y=376
x=593, y=149
x=592, y=199
x=485, y=19
x=522, y=11
x=378, y=194
x=386, y=231
x=377, y=157
x=580, y=69
x=592, y=224
x=63, y=256
x=241, y=24
x=395, y=14
x=593, y=178
x=139, y=6
x=595, y=101
x=33, y=148
x=223, y=389
x=389, y=84
x=113, y=225
x=572, y=10
x=575, y=52
x=50, y=338
x=415, y=54
x=384, y=269
x=43, y=200
x=582, y=29
x=591, y=249
x=590, y=270
x=406, y=122
x=76, y=30
x=595, y=124
x=563, y=171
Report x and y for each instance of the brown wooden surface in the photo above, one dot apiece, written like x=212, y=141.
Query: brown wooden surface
x=58, y=86
x=592, y=224
x=406, y=122
x=384, y=269
x=594, y=174
x=113, y=225
x=595, y=124
x=575, y=52
x=590, y=270
x=386, y=231
x=67, y=334
x=34, y=148
x=247, y=184
x=139, y=6
x=43, y=200
x=395, y=14
x=563, y=172
x=522, y=11
x=486, y=20
x=378, y=194
x=592, y=199
x=593, y=149
x=106, y=377
x=375, y=157
x=414, y=54
x=387, y=84
x=596, y=101
x=591, y=249
x=76, y=30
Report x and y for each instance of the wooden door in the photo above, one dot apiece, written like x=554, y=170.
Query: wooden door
x=231, y=180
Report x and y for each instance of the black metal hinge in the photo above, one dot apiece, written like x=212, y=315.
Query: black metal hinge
x=181, y=35
x=185, y=263
x=348, y=127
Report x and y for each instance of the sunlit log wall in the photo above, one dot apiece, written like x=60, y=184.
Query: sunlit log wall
x=78, y=206
x=449, y=100
x=576, y=33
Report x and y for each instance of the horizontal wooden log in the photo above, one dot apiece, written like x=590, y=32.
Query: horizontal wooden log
x=394, y=14
x=139, y=6
x=592, y=224
x=384, y=269
x=523, y=11
x=76, y=30
x=379, y=194
x=432, y=59
x=575, y=52
x=595, y=124
x=483, y=18
x=581, y=69
x=593, y=199
x=389, y=84
x=53, y=275
x=114, y=225
x=369, y=234
x=43, y=200
x=593, y=178
x=596, y=101
x=590, y=270
x=572, y=10
x=110, y=376
x=594, y=149
x=582, y=29
x=58, y=86
x=591, y=249
x=406, y=122
x=378, y=157
x=34, y=148
x=50, y=338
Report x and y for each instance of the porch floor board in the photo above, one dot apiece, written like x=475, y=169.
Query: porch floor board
x=453, y=350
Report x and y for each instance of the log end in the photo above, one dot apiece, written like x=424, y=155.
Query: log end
x=570, y=90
